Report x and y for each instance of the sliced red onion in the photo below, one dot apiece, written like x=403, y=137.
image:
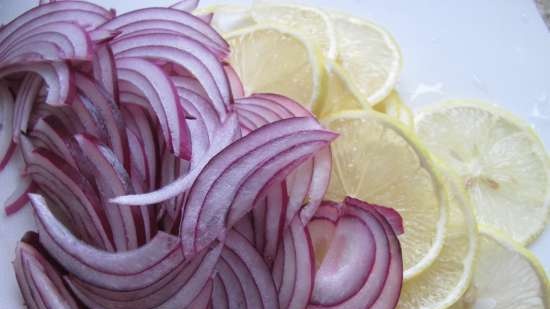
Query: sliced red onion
x=85, y=14
x=26, y=97
x=104, y=70
x=207, y=18
x=39, y=281
x=243, y=264
x=185, y=5
x=113, y=180
x=294, y=268
x=70, y=40
x=320, y=179
x=245, y=227
x=166, y=14
x=185, y=52
x=272, y=152
x=121, y=271
x=237, y=88
x=176, y=28
x=202, y=301
x=47, y=169
x=56, y=136
x=110, y=114
x=56, y=75
x=7, y=147
x=19, y=198
x=162, y=96
x=359, y=248
x=100, y=36
x=181, y=290
x=227, y=133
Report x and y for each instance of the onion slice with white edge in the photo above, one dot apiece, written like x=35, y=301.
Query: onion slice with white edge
x=24, y=101
x=128, y=270
x=227, y=133
x=360, y=247
x=40, y=282
x=241, y=267
x=246, y=169
x=161, y=94
x=7, y=146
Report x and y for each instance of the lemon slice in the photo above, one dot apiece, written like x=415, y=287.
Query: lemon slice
x=340, y=94
x=503, y=164
x=311, y=23
x=227, y=18
x=507, y=276
x=369, y=55
x=393, y=106
x=446, y=280
x=378, y=160
x=269, y=59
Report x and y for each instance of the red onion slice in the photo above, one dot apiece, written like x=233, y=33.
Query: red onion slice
x=294, y=267
x=39, y=281
x=104, y=70
x=227, y=133
x=26, y=96
x=362, y=237
x=19, y=198
x=184, y=52
x=289, y=142
x=202, y=301
x=56, y=75
x=166, y=14
x=237, y=88
x=251, y=272
x=129, y=270
x=6, y=127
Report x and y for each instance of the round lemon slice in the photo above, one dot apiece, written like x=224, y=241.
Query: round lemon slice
x=369, y=55
x=507, y=276
x=502, y=163
x=270, y=59
x=394, y=106
x=446, y=280
x=312, y=24
x=378, y=160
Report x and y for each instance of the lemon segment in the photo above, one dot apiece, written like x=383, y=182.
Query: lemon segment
x=502, y=163
x=394, y=106
x=340, y=94
x=369, y=55
x=228, y=18
x=507, y=276
x=446, y=280
x=310, y=23
x=270, y=59
x=378, y=160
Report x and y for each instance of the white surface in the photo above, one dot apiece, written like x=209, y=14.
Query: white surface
x=494, y=50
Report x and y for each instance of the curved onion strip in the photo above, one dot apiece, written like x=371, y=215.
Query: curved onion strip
x=207, y=18
x=19, y=198
x=185, y=5
x=85, y=14
x=251, y=272
x=230, y=292
x=26, y=96
x=272, y=152
x=40, y=283
x=57, y=76
x=120, y=271
x=202, y=301
x=7, y=147
x=112, y=179
x=89, y=117
x=184, y=52
x=204, y=109
x=237, y=88
x=71, y=40
x=76, y=189
x=320, y=179
x=56, y=137
x=166, y=14
x=294, y=269
x=109, y=113
x=227, y=133
x=376, y=287
x=162, y=96
x=245, y=227
x=177, y=28
x=190, y=83
x=180, y=290
x=104, y=70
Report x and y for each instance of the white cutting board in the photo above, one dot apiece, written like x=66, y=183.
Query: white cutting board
x=491, y=49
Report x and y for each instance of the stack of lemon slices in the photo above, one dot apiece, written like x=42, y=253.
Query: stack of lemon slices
x=471, y=181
